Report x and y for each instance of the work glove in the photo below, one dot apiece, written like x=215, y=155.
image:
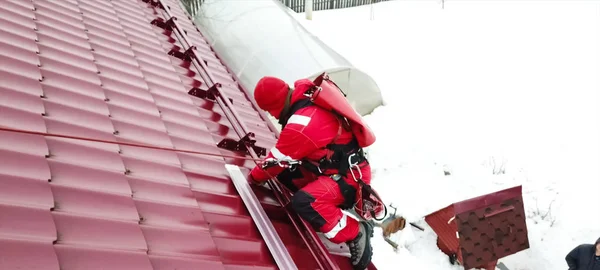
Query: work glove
x=251, y=181
x=392, y=225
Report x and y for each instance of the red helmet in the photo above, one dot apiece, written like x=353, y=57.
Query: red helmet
x=270, y=94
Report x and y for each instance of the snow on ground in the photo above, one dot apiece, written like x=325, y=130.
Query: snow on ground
x=478, y=83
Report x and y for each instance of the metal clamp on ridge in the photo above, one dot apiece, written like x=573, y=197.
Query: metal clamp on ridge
x=243, y=145
x=187, y=55
x=168, y=25
x=210, y=94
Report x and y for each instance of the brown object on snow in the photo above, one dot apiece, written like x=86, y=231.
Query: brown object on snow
x=393, y=225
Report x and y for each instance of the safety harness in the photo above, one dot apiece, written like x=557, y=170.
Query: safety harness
x=343, y=157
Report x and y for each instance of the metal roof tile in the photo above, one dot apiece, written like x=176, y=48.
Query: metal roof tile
x=67, y=70
x=20, y=67
x=75, y=153
x=158, y=156
x=196, y=136
x=93, y=26
x=239, y=251
x=174, y=92
x=27, y=5
x=211, y=184
x=133, y=103
x=106, y=6
x=169, y=263
x=23, y=191
x=68, y=174
x=161, y=191
x=128, y=89
x=228, y=226
x=150, y=57
x=23, y=165
x=72, y=257
x=16, y=51
x=56, y=126
x=206, y=166
x=150, y=119
x=67, y=42
x=116, y=51
x=16, y=12
x=50, y=19
x=76, y=100
x=182, y=242
x=154, y=170
x=178, y=111
x=21, y=119
x=68, y=63
x=106, y=74
x=62, y=8
x=72, y=84
x=135, y=33
x=22, y=222
x=220, y=203
x=94, y=14
x=83, y=118
x=68, y=7
x=16, y=44
x=80, y=200
x=193, y=145
x=84, y=230
x=129, y=128
x=170, y=215
x=17, y=254
x=166, y=72
x=18, y=83
x=131, y=8
x=12, y=27
x=21, y=100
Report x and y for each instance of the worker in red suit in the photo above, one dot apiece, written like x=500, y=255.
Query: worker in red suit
x=324, y=183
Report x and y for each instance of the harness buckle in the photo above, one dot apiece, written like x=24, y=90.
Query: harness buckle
x=336, y=177
x=283, y=163
x=289, y=164
x=354, y=165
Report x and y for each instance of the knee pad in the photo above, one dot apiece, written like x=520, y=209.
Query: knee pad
x=301, y=203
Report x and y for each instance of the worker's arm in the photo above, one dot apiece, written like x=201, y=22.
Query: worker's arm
x=292, y=145
x=572, y=258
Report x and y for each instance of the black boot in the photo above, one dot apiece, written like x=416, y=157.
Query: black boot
x=361, y=250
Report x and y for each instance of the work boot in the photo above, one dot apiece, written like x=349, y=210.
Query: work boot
x=361, y=250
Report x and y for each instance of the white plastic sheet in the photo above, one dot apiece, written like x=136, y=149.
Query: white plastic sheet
x=257, y=38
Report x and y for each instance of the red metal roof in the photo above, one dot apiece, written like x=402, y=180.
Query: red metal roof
x=102, y=70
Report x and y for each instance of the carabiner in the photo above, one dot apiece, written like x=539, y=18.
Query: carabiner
x=353, y=166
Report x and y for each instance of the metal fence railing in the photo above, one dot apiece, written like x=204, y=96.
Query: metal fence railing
x=299, y=5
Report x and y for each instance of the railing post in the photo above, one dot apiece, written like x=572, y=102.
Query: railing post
x=308, y=9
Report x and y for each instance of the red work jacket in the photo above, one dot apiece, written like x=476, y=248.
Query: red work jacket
x=305, y=135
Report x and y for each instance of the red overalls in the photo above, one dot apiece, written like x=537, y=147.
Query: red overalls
x=307, y=132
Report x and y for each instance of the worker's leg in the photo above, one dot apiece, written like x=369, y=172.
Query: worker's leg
x=296, y=179
x=318, y=203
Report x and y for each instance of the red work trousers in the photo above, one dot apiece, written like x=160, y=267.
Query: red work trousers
x=318, y=202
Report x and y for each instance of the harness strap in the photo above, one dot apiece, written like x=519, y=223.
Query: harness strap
x=288, y=110
x=338, y=157
x=369, y=190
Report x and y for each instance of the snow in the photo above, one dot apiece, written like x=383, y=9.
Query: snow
x=478, y=83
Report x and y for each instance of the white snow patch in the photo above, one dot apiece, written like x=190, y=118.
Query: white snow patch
x=477, y=88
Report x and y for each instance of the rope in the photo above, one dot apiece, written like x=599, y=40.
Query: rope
x=46, y=134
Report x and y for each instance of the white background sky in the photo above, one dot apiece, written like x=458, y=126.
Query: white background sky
x=514, y=80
